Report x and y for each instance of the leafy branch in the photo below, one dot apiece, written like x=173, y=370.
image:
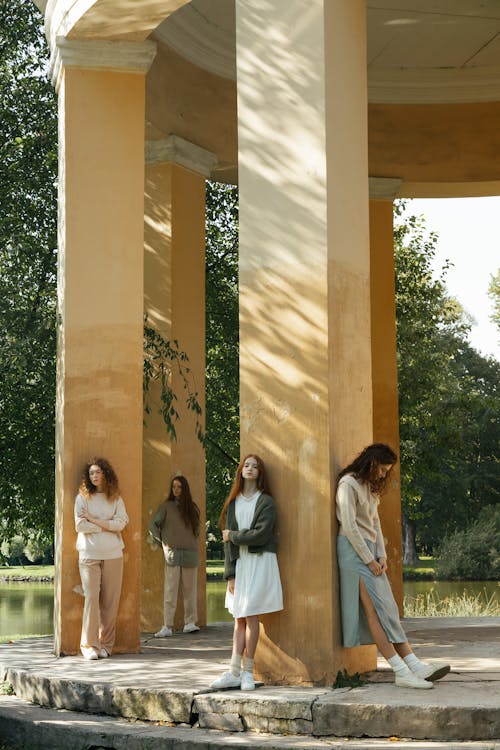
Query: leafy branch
x=162, y=360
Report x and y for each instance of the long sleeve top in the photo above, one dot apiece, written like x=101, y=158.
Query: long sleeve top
x=93, y=542
x=260, y=537
x=180, y=544
x=357, y=512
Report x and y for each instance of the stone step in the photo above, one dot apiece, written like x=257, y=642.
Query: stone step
x=451, y=711
x=24, y=726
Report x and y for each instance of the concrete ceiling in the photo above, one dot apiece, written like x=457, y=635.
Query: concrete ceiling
x=417, y=51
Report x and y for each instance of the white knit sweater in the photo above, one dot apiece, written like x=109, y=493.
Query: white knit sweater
x=94, y=543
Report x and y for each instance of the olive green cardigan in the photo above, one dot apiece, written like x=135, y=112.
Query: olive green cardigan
x=260, y=537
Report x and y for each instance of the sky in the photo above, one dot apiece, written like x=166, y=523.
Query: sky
x=469, y=237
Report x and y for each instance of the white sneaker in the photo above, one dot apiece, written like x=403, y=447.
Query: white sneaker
x=227, y=680
x=190, y=628
x=431, y=671
x=89, y=653
x=410, y=680
x=164, y=632
x=103, y=654
x=247, y=681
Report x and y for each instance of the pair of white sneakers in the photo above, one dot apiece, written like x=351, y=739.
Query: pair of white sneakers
x=91, y=654
x=165, y=631
x=244, y=681
x=422, y=676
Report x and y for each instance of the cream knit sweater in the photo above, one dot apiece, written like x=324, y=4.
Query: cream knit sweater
x=357, y=512
x=94, y=543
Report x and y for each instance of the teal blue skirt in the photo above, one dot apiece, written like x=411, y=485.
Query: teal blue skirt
x=355, y=630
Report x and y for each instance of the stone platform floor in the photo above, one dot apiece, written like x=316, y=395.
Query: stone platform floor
x=167, y=684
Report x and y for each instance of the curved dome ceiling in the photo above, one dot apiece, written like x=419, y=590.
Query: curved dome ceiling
x=418, y=51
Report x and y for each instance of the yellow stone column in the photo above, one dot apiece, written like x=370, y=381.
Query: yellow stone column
x=306, y=385
x=384, y=364
x=100, y=286
x=174, y=302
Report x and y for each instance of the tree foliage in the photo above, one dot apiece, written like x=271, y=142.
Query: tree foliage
x=222, y=373
x=162, y=359
x=494, y=294
x=28, y=166
x=472, y=554
x=448, y=398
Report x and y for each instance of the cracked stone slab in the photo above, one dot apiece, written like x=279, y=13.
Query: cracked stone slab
x=153, y=705
x=277, y=711
x=448, y=712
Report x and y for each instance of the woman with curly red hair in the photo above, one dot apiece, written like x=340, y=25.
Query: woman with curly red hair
x=251, y=568
x=369, y=612
x=100, y=516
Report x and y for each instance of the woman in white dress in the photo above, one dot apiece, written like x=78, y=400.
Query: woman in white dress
x=251, y=567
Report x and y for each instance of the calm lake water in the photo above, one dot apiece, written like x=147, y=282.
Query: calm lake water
x=26, y=608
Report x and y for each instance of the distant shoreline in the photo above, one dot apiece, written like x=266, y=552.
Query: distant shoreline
x=26, y=579
x=50, y=579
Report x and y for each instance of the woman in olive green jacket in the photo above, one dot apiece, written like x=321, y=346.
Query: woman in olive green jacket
x=251, y=568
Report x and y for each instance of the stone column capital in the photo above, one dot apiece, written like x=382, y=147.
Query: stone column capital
x=124, y=57
x=176, y=150
x=384, y=188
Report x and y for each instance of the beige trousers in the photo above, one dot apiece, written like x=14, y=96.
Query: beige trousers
x=102, y=585
x=189, y=577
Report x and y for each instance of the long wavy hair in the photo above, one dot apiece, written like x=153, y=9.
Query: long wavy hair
x=190, y=513
x=238, y=483
x=365, y=466
x=111, y=488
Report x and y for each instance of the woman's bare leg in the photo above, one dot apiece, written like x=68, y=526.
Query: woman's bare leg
x=252, y=635
x=386, y=648
x=239, y=635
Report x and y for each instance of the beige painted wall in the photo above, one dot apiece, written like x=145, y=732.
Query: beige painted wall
x=304, y=310
x=174, y=300
x=385, y=379
x=435, y=142
x=99, y=382
x=195, y=105
x=419, y=143
x=106, y=19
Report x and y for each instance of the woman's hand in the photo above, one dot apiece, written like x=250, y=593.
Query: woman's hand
x=375, y=568
x=383, y=564
x=230, y=585
x=225, y=535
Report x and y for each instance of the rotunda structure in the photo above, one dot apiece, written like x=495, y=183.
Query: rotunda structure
x=323, y=112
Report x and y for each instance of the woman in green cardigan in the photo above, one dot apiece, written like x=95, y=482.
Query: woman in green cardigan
x=251, y=568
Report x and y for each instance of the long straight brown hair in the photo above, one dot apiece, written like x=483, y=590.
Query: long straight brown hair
x=262, y=484
x=190, y=513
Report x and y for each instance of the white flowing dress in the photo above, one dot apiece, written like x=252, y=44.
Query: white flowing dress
x=257, y=586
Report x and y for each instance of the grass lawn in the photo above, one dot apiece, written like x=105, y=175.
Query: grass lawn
x=215, y=567
x=27, y=571
x=424, y=570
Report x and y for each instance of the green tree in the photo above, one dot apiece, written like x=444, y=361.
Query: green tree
x=28, y=164
x=448, y=400
x=494, y=294
x=222, y=384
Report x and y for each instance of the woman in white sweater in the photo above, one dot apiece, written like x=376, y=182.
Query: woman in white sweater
x=100, y=516
x=369, y=611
